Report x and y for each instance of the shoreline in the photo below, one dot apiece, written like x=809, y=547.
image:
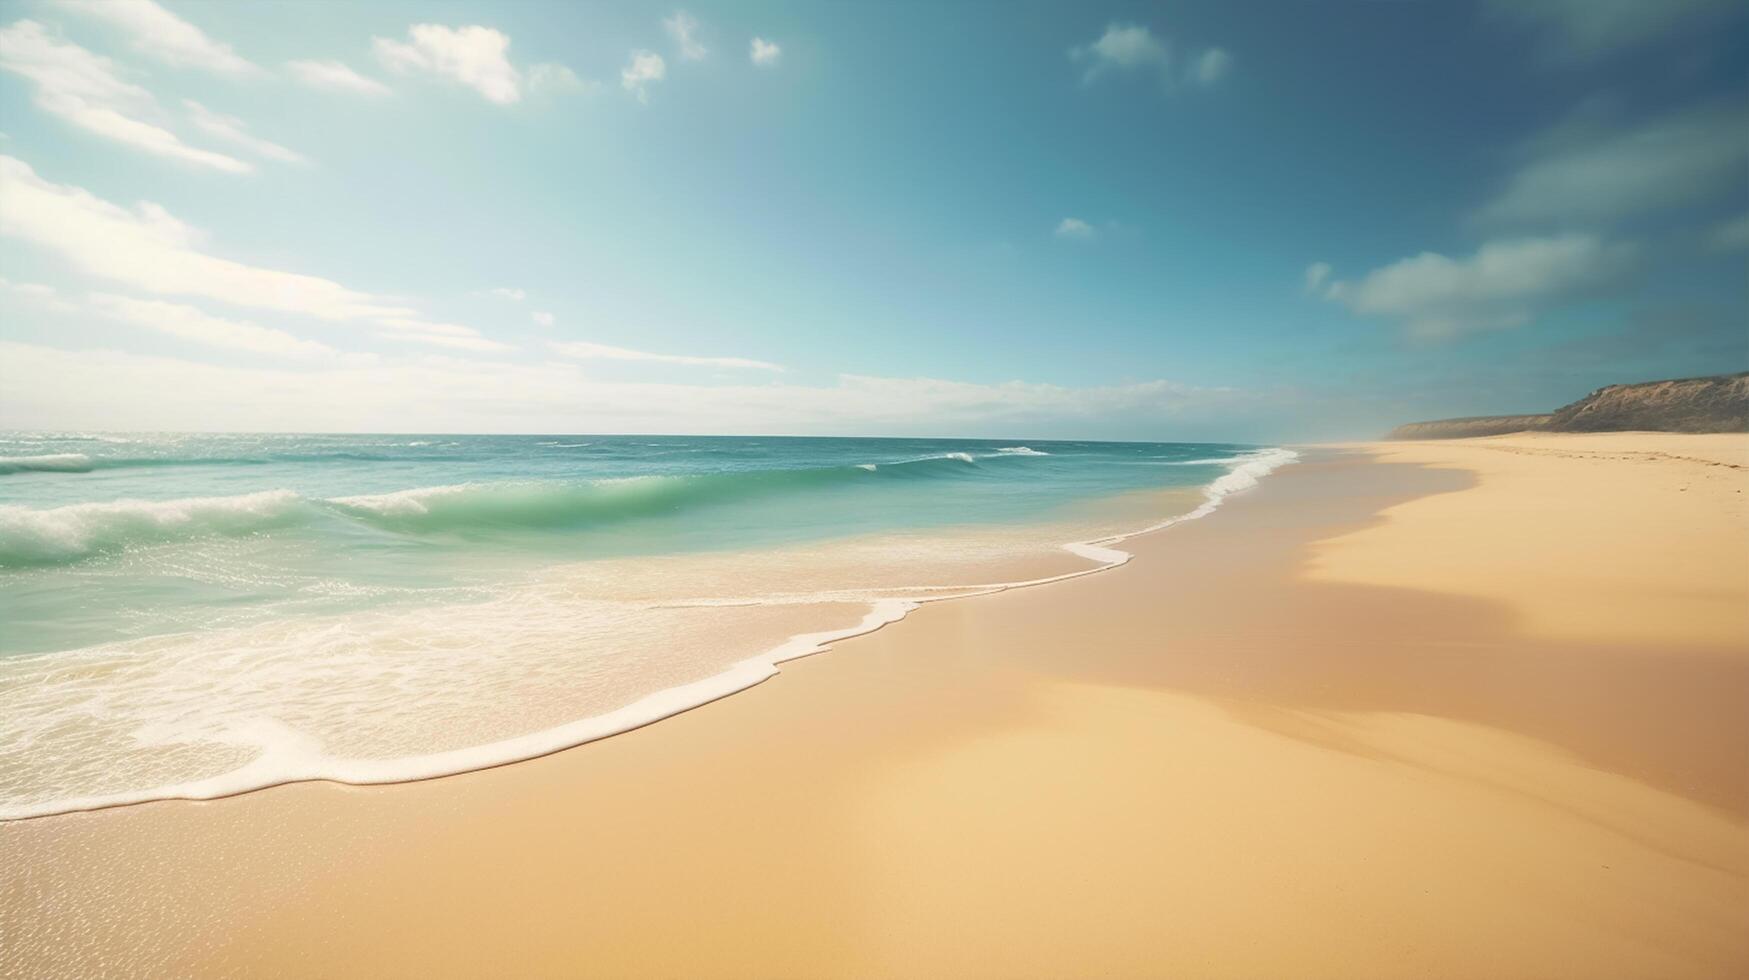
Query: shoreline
x=1213, y=761
x=1243, y=472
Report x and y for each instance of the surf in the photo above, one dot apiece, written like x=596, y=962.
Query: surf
x=50, y=463
x=76, y=532
x=532, y=667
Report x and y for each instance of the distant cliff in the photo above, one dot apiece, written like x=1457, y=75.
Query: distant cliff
x=1716, y=404
x=1480, y=425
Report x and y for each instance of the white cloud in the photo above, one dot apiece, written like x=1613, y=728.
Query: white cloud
x=1501, y=285
x=1316, y=274
x=148, y=248
x=1123, y=47
x=506, y=292
x=542, y=318
x=1074, y=228
x=1211, y=66
x=683, y=28
x=33, y=290
x=1585, y=170
x=85, y=90
x=196, y=325
x=418, y=331
x=1585, y=30
x=583, y=350
x=765, y=53
x=1133, y=48
x=1731, y=234
x=233, y=129
x=37, y=294
x=47, y=387
x=334, y=76
x=551, y=79
x=475, y=56
x=644, y=68
x=163, y=35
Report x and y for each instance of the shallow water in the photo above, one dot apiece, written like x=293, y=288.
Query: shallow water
x=191, y=615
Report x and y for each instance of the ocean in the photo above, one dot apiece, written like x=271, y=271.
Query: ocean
x=190, y=616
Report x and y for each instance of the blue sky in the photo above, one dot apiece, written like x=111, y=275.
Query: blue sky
x=1206, y=221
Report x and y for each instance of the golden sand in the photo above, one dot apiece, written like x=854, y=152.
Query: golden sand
x=1361, y=722
x=1603, y=537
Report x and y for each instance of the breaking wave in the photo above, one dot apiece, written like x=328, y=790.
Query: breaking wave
x=53, y=463
x=59, y=535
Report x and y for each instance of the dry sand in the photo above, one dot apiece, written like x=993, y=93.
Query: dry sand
x=1446, y=709
x=1597, y=530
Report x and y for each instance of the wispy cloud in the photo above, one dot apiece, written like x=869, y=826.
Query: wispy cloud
x=551, y=79
x=174, y=319
x=148, y=248
x=1588, y=30
x=475, y=56
x=542, y=318
x=42, y=385
x=1074, y=228
x=645, y=68
x=421, y=331
x=234, y=130
x=1592, y=169
x=505, y=292
x=764, y=53
x=36, y=294
x=190, y=323
x=86, y=90
x=1122, y=48
x=1134, y=49
x=160, y=34
x=683, y=28
x=334, y=76
x=1501, y=285
x=1209, y=67
x=1732, y=233
x=583, y=350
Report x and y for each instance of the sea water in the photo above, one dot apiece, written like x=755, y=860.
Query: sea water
x=188, y=616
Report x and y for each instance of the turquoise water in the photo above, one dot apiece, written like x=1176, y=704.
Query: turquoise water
x=157, y=533
x=225, y=611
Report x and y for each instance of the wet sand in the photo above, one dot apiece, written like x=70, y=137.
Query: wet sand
x=1353, y=724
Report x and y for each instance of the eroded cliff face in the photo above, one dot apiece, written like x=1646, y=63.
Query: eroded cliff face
x=1715, y=404
x=1481, y=425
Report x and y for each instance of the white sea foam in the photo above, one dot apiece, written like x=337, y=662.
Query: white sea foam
x=271, y=751
x=305, y=699
x=1243, y=473
x=416, y=500
x=961, y=457
x=1020, y=451
x=56, y=534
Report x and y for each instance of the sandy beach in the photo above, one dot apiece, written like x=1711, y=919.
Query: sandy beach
x=1445, y=709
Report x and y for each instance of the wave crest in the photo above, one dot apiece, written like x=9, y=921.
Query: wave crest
x=62, y=534
x=52, y=463
x=59, y=535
